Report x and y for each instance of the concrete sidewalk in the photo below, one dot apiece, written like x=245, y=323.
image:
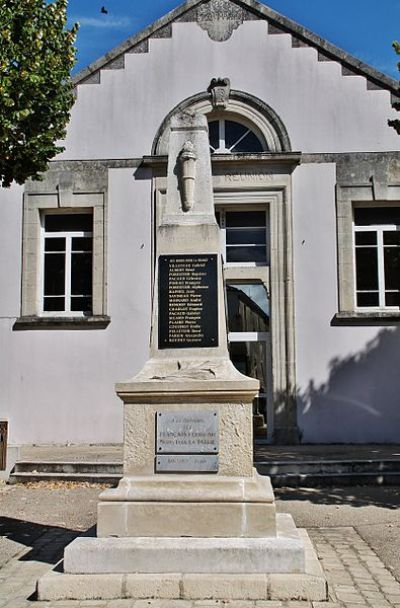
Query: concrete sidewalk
x=356, y=532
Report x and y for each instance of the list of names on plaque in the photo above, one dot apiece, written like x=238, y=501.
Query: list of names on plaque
x=188, y=301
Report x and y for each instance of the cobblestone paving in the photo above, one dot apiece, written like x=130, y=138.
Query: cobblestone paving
x=357, y=577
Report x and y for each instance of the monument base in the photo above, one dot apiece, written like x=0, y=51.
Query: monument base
x=188, y=506
x=282, y=568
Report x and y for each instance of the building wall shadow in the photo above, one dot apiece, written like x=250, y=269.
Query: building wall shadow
x=360, y=401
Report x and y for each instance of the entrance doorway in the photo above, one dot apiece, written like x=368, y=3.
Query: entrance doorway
x=248, y=336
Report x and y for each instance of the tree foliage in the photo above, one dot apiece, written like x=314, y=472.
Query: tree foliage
x=396, y=123
x=36, y=57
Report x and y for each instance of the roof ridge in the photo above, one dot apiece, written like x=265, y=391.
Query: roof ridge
x=285, y=24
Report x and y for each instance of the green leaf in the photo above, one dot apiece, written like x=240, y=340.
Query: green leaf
x=36, y=57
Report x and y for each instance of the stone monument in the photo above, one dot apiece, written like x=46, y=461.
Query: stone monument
x=191, y=518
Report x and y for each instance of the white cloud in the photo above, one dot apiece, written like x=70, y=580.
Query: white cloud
x=102, y=22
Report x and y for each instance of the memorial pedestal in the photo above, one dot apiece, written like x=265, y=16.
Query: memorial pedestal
x=192, y=535
x=185, y=420
x=282, y=568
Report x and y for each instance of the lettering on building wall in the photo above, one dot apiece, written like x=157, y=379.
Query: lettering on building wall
x=247, y=177
x=188, y=301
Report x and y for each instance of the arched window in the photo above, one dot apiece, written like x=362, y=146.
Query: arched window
x=232, y=137
x=248, y=125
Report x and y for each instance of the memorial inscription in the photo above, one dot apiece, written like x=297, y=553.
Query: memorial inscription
x=188, y=301
x=187, y=463
x=187, y=432
x=187, y=442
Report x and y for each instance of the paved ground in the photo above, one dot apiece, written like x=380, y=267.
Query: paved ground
x=373, y=512
x=356, y=532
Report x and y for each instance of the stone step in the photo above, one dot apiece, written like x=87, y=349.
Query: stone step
x=32, y=476
x=277, y=568
x=72, y=467
x=314, y=480
x=321, y=467
x=283, y=473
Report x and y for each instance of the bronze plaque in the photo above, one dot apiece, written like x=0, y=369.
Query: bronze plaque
x=188, y=301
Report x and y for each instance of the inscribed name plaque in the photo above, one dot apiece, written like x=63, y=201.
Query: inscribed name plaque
x=187, y=463
x=188, y=301
x=187, y=442
x=187, y=432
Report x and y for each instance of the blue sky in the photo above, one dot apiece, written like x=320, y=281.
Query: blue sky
x=364, y=28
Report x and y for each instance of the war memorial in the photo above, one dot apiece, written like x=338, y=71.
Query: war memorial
x=222, y=229
x=191, y=518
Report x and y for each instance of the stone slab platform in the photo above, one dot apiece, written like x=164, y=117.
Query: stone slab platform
x=309, y=585
x=185, y=555
x=280, y=553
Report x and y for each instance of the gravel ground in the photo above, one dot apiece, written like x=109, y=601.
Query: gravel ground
x=28, y=511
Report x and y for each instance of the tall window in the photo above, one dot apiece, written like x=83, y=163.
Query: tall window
x=244, y=236
x=377, y=257
x=67, y=263
x=232, y=137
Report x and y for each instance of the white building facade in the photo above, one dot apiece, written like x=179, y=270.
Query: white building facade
x=306, y=178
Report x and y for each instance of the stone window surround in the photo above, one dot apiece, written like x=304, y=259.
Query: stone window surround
x=62, y=190
x=349, y=196
x=248, y=272
x=246, y=108
x=277, y=278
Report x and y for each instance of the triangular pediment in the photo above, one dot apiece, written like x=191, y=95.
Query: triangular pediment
x=220, y=18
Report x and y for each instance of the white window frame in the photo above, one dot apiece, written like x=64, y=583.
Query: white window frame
x=379, y=229
x=222, y=149
x=222, y=209
x=68, y=235
x=358, y=192
x=247, y=336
